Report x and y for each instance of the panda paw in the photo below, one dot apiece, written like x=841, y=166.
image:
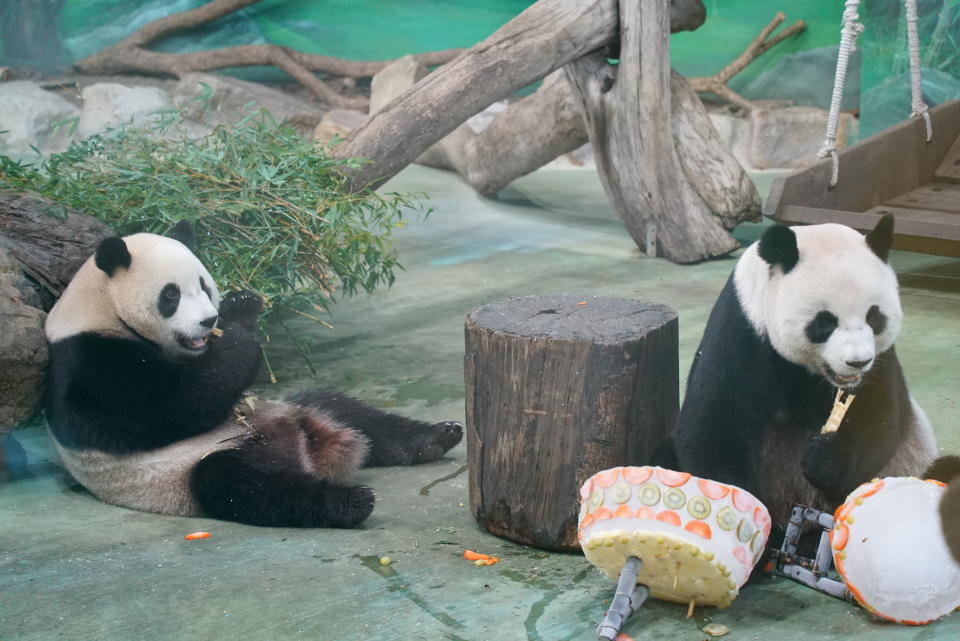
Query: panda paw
x=423, y=445
x=824, y=464
x=432, y=443
x=241, y=307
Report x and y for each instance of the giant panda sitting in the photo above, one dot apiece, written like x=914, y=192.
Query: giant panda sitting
x=807, y=311
x=144, y=407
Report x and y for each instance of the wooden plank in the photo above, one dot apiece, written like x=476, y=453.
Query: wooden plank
x=922, y=222
x=874, y=170
x=932, y=196
x=927, y=232
x=949, y=169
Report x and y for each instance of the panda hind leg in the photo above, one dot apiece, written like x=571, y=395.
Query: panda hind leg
x=245, y=485
x=394, y=439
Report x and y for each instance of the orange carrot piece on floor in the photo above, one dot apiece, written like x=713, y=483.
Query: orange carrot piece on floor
x=197, y=535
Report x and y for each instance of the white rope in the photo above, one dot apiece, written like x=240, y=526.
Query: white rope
x=851, y=28
x=918, y=106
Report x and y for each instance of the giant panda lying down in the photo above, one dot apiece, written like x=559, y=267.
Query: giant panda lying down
x=145, y=411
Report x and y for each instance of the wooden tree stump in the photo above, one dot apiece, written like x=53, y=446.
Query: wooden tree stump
x=559, y=387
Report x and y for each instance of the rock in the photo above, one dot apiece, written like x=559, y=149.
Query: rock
x=482, y=120
x=338, y=122
x=23, y=349
x=806, y=78
x=393, y=80
x=231, y=99
x=735, y=133
x=28, y=115
x=791, y=137
x=108, y=105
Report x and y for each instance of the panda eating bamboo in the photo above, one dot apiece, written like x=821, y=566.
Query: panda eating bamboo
x=145, y=409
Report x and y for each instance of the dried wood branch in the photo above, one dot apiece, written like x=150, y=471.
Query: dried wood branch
x=131, y=55
x=717, y=83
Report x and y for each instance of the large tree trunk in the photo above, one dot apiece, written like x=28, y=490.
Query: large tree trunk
x=558, y=388
x=545, y=37
x=628, y=108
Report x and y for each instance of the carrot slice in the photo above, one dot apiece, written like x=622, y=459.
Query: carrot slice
x=197, y=535
x=470, y=555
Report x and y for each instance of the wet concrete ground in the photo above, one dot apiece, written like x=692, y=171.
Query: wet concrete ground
x=74, y=568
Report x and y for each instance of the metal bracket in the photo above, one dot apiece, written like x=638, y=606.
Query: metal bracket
x=813, y=573
x=651, y=237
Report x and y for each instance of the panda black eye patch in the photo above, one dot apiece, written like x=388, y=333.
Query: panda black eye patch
x=169, y=300
x=876, y=319
x=821, y=327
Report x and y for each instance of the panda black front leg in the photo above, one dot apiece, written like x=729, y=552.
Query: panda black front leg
x=828, y=464
x=394, y=440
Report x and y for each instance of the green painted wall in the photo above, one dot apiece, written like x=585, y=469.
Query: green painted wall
x=377, y=29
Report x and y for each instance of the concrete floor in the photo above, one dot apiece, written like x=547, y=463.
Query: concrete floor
x=74, y=568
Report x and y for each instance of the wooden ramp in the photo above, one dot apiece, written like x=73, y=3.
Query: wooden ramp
x=895, y=171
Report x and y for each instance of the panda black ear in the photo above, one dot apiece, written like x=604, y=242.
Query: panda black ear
x=778, y=246
x=881, y=238
x=184, y=232
x=112, y=253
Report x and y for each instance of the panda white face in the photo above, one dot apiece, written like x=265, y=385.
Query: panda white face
x=825, y=298
x=160, y=291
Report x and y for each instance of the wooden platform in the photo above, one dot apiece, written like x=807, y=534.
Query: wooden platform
x=893, y=171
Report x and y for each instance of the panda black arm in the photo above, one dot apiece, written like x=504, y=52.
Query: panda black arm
x=839, y=462
x=122, y=394
x=725, y=407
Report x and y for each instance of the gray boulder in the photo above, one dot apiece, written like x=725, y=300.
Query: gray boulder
x=108, y=105
x=791, y=137
x=28, y=116
x=393, y=80
x=222, y=100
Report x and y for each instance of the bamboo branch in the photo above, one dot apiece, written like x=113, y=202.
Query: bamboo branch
x=717, y=83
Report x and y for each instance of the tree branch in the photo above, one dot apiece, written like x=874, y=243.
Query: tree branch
x=131, y=54
x=717, y=83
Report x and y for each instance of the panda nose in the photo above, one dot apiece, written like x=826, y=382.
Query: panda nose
x=859, y=364
x=209, y=322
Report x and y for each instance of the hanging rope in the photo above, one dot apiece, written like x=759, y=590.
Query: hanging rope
x=851, y=28
x=919, y=107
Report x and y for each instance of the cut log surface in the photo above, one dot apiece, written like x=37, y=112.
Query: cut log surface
x=559, y=387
